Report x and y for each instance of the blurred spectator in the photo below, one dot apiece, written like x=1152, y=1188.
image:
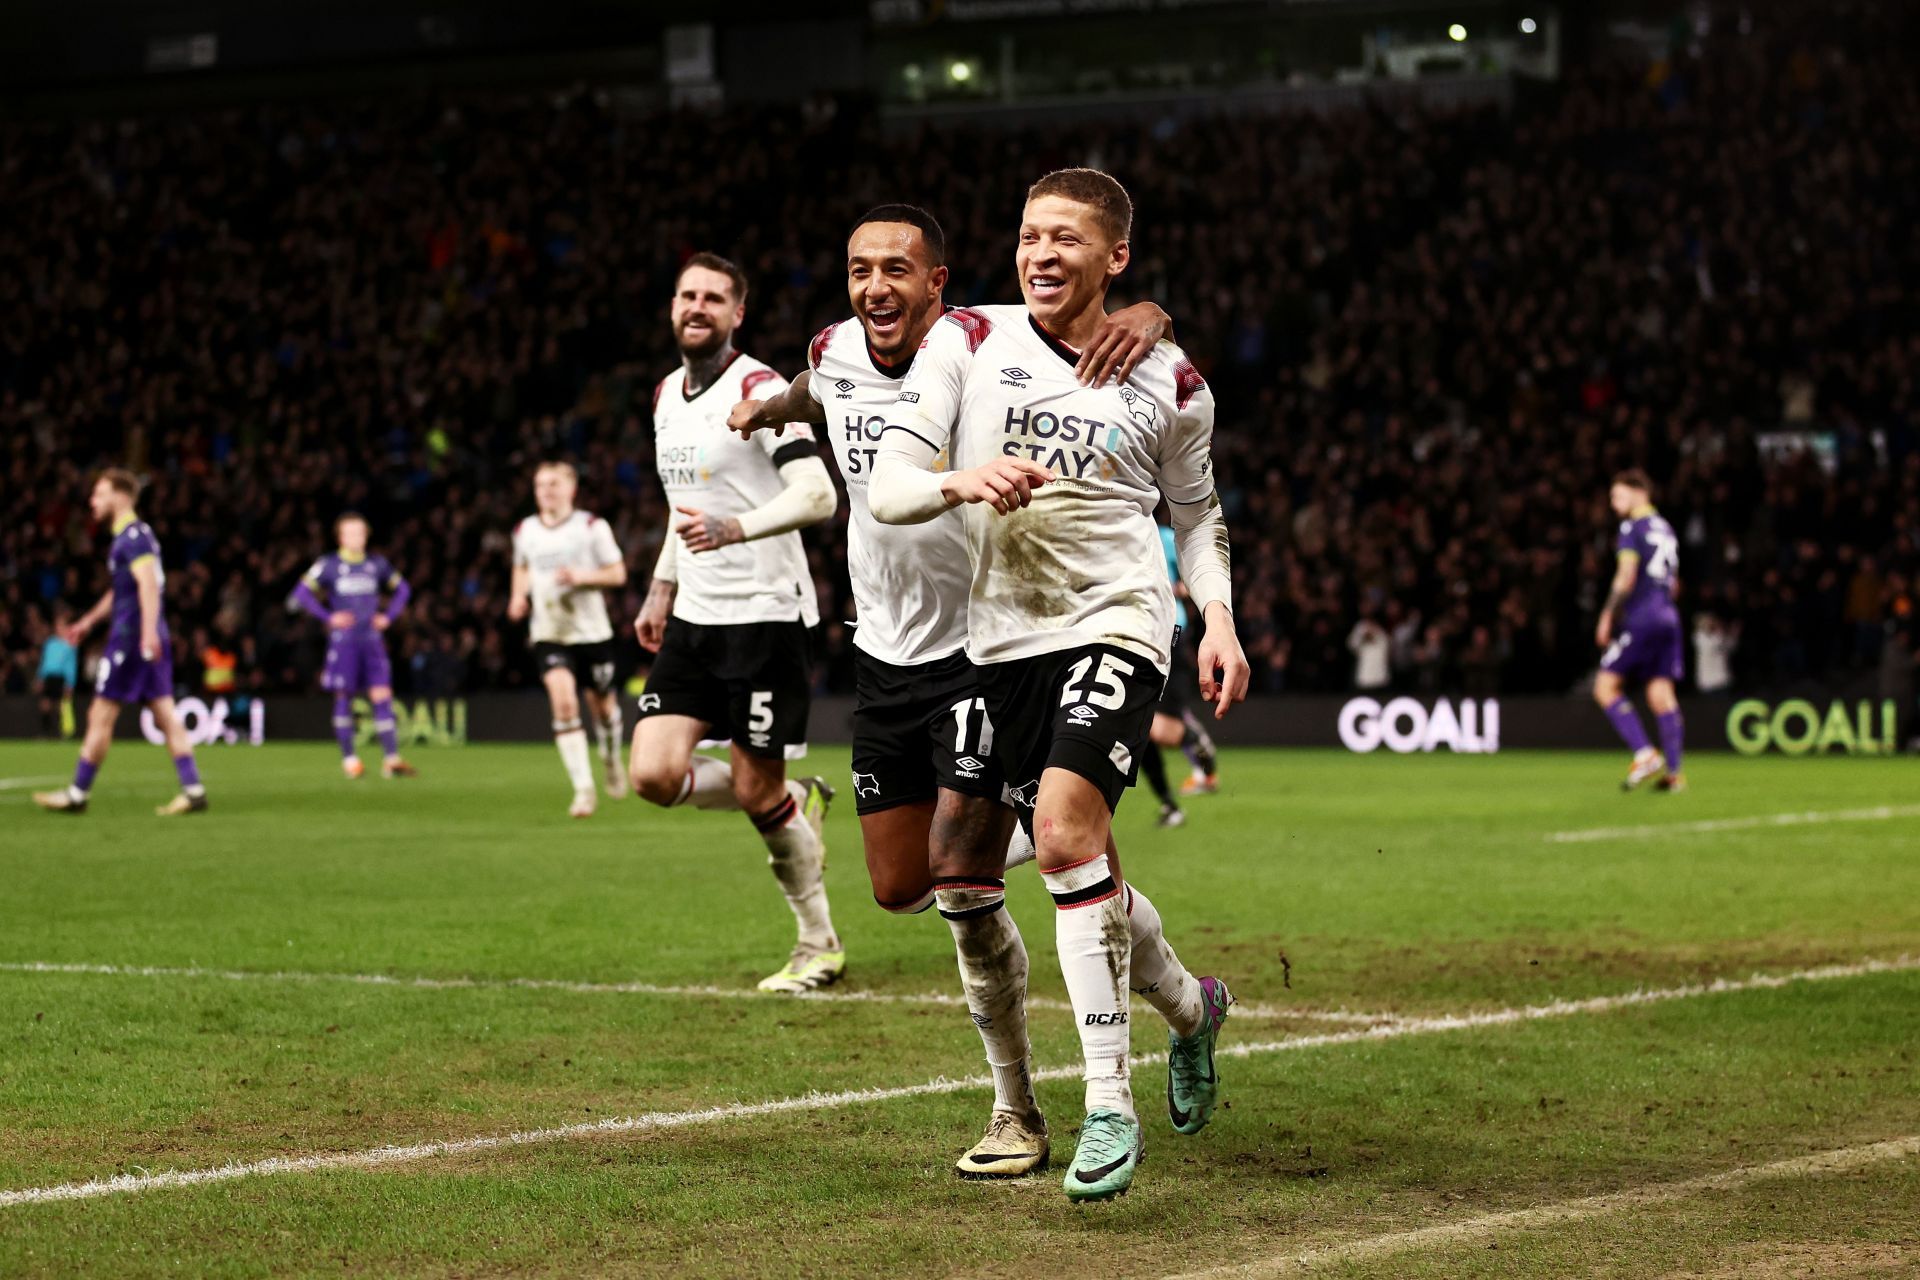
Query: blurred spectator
x=1713, y=645
x=1372, y=648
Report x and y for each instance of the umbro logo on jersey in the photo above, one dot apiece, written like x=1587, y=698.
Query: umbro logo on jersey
x=1014, y=377
x=845, y=389
x=968, y=767
x=1083, y=714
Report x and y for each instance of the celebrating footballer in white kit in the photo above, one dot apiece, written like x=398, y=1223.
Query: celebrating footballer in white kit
x=1070, y=613
x=926, y=786
x=562, y=560
x=731, y=610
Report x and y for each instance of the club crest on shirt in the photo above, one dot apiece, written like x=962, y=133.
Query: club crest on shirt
x=1143, y=410
x=866, y=784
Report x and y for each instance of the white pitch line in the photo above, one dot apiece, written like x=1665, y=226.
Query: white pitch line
x=1881, y=813
x=127, y=1183
x=23, y=784
x=1563, y=1213
x=613, y=988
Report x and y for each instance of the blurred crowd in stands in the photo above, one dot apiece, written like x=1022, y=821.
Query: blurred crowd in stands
x=1433, y=337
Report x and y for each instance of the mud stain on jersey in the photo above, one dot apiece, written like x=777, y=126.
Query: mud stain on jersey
x=1040, y=583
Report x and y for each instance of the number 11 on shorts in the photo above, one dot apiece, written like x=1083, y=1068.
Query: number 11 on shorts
x=963, y=713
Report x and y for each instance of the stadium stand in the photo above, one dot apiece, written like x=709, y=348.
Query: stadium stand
x=1433, y=335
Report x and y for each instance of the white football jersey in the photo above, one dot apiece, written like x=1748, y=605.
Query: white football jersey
x=909, y=581
x=565, y=615
x=1083, y=564
x=709, y=468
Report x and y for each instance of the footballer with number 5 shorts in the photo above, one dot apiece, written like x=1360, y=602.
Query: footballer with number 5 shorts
x=1070, y=612
x=731, y=609
x=926, y=787
x=137, y=664
x=356, y=646
x=563, y=559
x=1639, y=631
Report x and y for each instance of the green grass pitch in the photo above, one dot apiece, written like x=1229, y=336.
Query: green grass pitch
x=1381, y=887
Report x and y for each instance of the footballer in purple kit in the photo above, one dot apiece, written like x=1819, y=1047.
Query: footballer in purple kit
x=1639, y=631
x=137, y=665
x=351, y=581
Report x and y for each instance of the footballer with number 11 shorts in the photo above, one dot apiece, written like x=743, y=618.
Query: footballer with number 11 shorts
x=1070, y=612
x=927, y=789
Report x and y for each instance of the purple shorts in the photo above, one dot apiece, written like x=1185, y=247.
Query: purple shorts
x=1647, y=649
x=356, y=662
x=126, y=677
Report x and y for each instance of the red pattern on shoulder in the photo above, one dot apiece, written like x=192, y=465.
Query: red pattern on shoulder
x=973, y=323
x=1186, y=381
x=659, y=387
x=754, y=379
x=818, y=347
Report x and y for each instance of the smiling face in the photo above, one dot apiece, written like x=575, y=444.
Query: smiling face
x=893, y=286
x=705, y=311
x=1066, y=260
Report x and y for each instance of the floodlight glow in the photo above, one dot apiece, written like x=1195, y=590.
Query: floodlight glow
x=1528, y=26
x=1456, y=32
x=960, y=72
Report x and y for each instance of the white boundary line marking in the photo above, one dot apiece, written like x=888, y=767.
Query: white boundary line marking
x=1474, y=1230
x=616, y=988
x=1880, y=813
x=25, y=784
x=127, y=1183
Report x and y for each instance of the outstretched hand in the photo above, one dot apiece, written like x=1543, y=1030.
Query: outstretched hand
x=749, y=416
x=1005, y=484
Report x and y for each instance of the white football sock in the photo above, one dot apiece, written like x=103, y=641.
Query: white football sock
x=571, y=739
x=993, y=973
x=799, y=861
x=1096, y=945
x=1158, y=975
x=1020, y=848
x=610, y=732
x=709, y=785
